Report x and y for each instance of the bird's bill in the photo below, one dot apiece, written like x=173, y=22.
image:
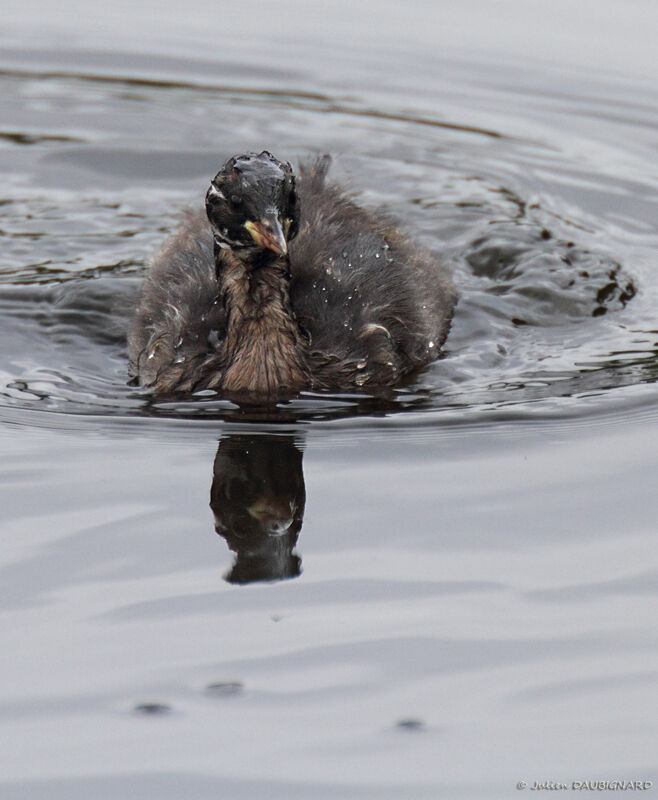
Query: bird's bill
x=269, y=234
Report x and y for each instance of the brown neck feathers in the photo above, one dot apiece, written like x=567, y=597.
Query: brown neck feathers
x=264, y=347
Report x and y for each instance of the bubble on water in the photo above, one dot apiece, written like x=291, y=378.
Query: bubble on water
x=225, y=688
x=152, y=709
x=410, y=724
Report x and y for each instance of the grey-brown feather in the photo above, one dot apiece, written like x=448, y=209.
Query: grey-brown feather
x=180, y=318
x=371, y=305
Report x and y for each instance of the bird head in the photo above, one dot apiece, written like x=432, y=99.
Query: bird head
x=252, y=205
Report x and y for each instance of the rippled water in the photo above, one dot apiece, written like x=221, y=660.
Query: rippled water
x=469, y=564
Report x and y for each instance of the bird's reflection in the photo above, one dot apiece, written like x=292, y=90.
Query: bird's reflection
x=258, y=499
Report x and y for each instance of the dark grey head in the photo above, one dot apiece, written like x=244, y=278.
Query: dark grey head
x=252, y=204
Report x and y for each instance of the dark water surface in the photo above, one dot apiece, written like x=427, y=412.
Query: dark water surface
x=436, y=594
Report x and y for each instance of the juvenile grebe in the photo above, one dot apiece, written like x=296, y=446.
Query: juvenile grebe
x=291, y=286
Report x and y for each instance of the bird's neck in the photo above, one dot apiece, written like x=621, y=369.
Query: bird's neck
x=264, y=346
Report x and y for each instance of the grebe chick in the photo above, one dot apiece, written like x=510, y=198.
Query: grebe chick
x=291, y=286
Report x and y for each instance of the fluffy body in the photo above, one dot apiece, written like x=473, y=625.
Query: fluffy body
x=355, y=307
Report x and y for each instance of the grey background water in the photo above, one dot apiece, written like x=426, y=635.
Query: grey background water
x=477, y=597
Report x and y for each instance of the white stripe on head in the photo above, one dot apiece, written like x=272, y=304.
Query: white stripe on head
x=213, y=190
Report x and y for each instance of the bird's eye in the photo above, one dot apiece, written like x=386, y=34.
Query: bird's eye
x=235, y=201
